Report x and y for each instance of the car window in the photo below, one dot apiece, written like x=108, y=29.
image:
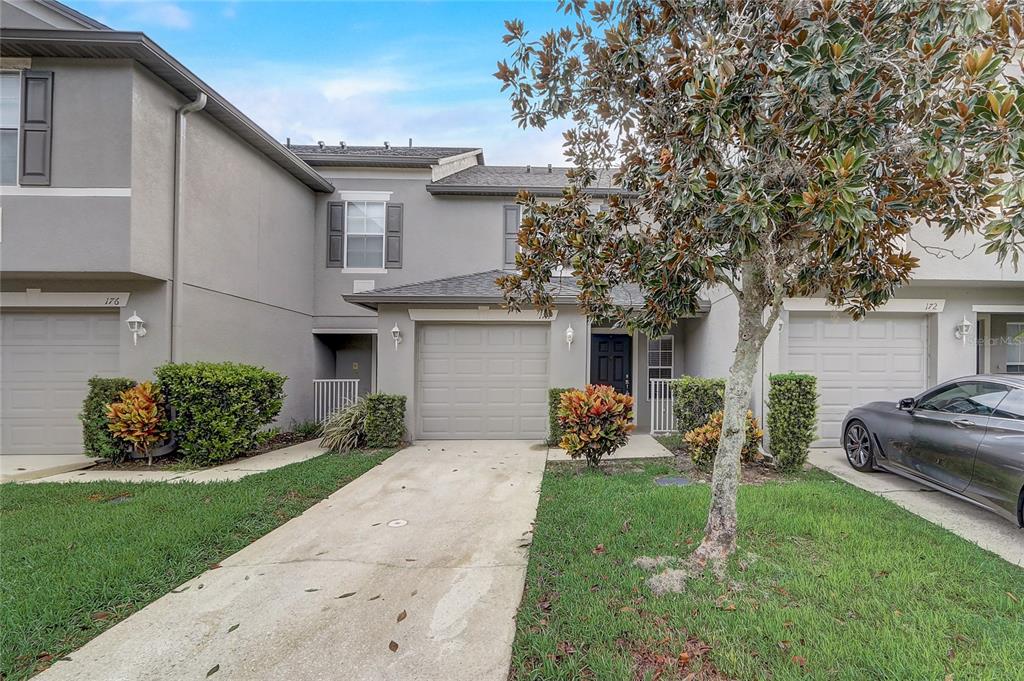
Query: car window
x=1012, y=407
x=967, y=397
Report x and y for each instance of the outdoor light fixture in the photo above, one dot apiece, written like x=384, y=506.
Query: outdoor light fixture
x=963, y=328
x=569, y=335
x=137, y=326
x=396, y=334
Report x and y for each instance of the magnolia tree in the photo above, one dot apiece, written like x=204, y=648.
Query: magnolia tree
x=775, y=147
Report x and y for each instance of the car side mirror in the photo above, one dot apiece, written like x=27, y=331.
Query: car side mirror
x=908, y=404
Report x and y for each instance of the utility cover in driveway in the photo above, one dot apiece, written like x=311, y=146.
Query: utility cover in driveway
x=485, y=381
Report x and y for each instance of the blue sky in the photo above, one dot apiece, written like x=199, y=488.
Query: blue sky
x=362, y=72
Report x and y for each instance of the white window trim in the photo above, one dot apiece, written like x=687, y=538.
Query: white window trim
x=1009, y=334
x=345, y=269
x=17, y=130
x=672, y=359
x=364, y=196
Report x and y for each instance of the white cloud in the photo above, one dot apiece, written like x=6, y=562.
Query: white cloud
x=383, y=102
x=166, y=14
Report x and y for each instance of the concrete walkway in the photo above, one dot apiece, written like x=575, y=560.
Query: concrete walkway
x=639, y=446
x=235, y=470
x=413, y=571
x=15, y=467
x=976, y=525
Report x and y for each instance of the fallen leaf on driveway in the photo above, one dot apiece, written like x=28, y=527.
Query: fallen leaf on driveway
x=232, y=628
x=393, y=647
x=213, y=670
x=350, y=593
x=402, y=615
x=311, y=590
x=375, y=597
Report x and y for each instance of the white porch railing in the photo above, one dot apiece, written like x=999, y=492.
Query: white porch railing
x=662, y=418
x=333, y=394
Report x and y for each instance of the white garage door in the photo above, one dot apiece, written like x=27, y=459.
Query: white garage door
x=45, y=361
x=482, y=381
x=882, y=357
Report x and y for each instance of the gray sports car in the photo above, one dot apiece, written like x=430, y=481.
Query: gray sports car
x=964, y=437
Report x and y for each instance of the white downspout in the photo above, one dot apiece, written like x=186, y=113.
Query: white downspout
x=179, y=208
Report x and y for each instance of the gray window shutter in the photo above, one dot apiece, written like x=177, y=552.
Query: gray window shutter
x=393, y=236
x=36, y=127
x=336, y=234
x=511, y=240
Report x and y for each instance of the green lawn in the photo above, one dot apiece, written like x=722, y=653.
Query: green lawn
x=836, y=583
x=78, y=557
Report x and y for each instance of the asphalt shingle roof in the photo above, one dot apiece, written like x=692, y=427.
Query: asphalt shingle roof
x=479, y=287
x=368, y=155
x=483, y=179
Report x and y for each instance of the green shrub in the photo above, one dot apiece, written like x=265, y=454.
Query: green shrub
x=96, y=436
x=307, y=429
x=219, y=408
x=385, y=420
x=595, y=422
x=554, y=402
x=695, y=399
x=702, y=441
x=792, y=418
x=345, y=430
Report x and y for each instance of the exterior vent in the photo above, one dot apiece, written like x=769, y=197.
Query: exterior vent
x=321, y=145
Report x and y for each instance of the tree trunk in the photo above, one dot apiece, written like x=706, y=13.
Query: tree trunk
x=720, y=531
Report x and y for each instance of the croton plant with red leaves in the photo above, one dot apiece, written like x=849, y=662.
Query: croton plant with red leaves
x=595, y=422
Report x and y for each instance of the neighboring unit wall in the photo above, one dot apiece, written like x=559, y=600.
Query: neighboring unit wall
x=247, y=236
x=81, y=221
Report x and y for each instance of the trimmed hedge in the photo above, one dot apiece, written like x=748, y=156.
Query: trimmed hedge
x=554, y=403
x=792, y=418
x=219, y=408
x=695, y=399
x=385, y=420
x=96, y=436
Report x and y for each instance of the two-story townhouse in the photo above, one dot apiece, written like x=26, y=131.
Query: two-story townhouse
x=413, y=308
x=133, y=190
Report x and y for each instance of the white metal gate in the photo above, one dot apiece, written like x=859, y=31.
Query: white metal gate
x=331, y=395
x=662, y=418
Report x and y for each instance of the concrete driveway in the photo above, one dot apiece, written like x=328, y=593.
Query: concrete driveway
x=976, y=525
x=413, y=571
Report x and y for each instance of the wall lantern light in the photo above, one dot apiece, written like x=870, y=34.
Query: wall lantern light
x=137, y=326
x=962, y=329
x=569, y=335
x=396, y=334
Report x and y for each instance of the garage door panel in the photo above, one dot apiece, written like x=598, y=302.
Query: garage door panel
x=46, y=359
x=482, y=380
x=882, y=357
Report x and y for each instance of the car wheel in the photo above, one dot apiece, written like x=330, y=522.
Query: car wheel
x=857, y=443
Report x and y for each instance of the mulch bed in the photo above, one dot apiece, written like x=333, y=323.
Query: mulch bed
x=756, y=473
x=174, y=462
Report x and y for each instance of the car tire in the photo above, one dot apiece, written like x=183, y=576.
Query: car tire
x=860, y=452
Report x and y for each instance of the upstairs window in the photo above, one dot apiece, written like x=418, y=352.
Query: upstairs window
x=364, y=234
x=10, y=120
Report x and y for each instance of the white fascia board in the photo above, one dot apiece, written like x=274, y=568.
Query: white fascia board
x=999, y=309
x=63, y=299
x=924, y=305
x=417, y=314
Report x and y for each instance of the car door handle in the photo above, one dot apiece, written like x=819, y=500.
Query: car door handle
x=964, y=423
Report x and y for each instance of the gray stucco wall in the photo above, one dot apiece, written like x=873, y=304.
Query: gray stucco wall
x=443, y=237
x=57, y=228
